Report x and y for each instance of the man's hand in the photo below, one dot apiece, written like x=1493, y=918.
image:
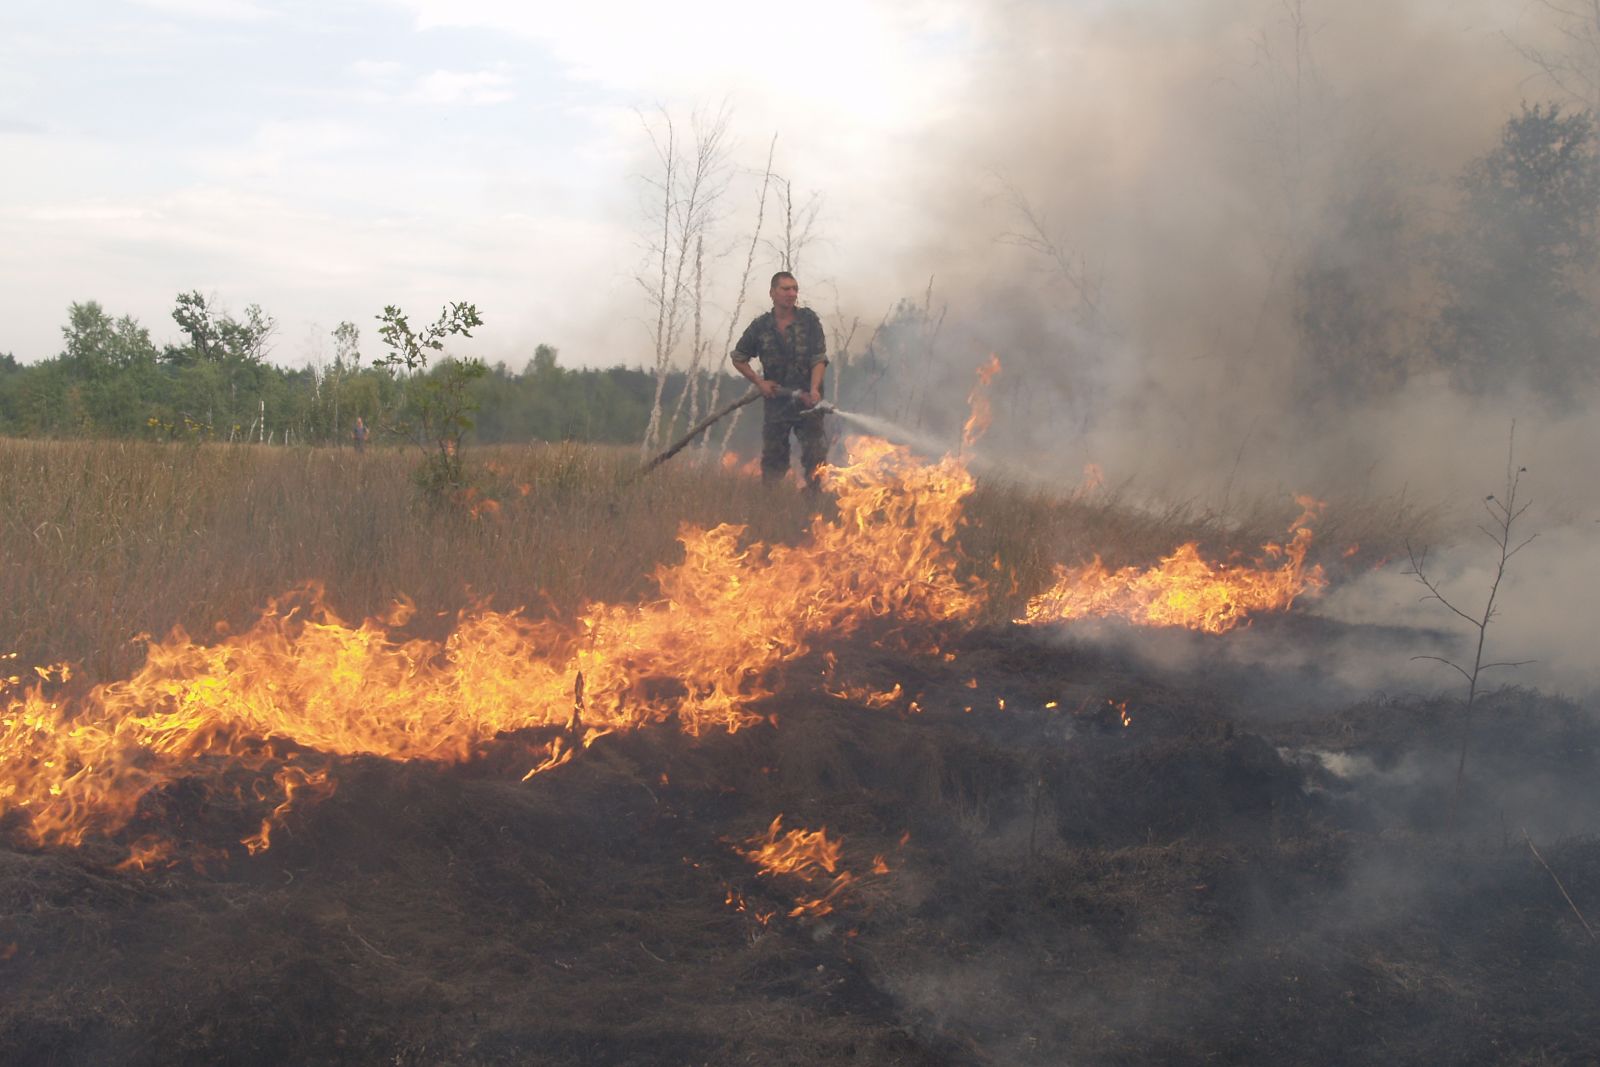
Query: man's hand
x=768, y=389
x=809, y=399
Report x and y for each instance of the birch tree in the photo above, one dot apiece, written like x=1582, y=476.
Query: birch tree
x=685, y=195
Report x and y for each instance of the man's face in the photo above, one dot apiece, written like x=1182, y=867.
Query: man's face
x=785, y=293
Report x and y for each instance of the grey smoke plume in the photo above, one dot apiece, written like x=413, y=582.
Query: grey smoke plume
x=1132, y=207
x=1124, y=210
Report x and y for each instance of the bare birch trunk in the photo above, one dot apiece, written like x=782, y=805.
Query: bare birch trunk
x=738, y=306
x=688, y=201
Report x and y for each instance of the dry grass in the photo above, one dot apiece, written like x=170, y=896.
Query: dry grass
x=1030, y=531
x=105, y=541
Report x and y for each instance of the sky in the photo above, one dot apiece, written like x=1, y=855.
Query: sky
x=324, y=159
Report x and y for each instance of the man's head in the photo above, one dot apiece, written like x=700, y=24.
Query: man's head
x=785, y=290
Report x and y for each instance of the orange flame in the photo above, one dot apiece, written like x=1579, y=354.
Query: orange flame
x=726, y=621
x=737, y=902
x=794, y=852
x=293, y=781
x=809, y=856
x=867, y=696
x=1185, y=590
x=750, y=468
x=147, y=853
x=982, y=413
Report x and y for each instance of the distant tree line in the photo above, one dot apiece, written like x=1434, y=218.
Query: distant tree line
x=111, y=380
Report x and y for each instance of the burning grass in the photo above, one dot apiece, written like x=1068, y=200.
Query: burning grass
x=107, y=542
x=301, y=686
x=705, y=648
x=993, y=847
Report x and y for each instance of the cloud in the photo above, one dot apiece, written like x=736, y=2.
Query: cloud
x=474, y=88
x=286, y=148
x=390, y=82
x=378, y=71
x=96, y=211
x=220, y=10
x=839, y=65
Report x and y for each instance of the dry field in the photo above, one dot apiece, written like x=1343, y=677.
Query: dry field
x=938, y=837
x=106, y=543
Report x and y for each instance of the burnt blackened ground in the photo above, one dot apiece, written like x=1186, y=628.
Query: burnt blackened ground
x=1115, y=867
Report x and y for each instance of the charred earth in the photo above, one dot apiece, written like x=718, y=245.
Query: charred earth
x=1055, y=853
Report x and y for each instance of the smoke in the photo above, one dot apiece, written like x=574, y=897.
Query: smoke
x=1545, y=612
x=1204, y=241
x=1382, y=631
x=1125, y=206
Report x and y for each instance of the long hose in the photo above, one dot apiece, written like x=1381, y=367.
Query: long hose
x=699, y=428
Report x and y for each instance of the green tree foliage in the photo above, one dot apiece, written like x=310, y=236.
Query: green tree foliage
x=108, y=369
x=224, y=386
x=547, y=402
x=216, y=337
x=1515, y=313
x=12, y=374
x=437, y=404
x=1354, y=301
x=111, y=380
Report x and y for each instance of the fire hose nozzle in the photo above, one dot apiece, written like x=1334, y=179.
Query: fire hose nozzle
x=821, y=407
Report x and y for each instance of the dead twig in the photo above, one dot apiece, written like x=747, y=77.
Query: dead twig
x=1504, y=511
x=1532, y=848
x=369, y=944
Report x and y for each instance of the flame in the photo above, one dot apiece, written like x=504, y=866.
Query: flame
x=868, y=697
x=749, y=468
x=303, y=681
x=147, y=853
x=1185, y=590
x=982, y=413
x=53, y=672
x=737, y=902
x=807, y=855
x=292, y=781
x=794, y=852
x=476, y=505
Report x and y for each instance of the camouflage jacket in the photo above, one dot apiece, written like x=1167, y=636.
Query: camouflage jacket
x=787, y=356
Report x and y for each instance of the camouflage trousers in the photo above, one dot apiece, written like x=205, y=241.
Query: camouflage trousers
x=781, y=418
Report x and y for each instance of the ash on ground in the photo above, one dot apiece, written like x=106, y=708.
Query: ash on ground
x=1062, y=853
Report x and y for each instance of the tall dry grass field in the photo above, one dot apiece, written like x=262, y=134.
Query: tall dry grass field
x=104, y=542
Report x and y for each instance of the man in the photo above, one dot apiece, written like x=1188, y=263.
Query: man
x=360, y=434
x=789, y=342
